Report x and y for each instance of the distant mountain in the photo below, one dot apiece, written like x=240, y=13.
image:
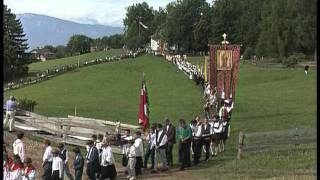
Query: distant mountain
x=45, y=30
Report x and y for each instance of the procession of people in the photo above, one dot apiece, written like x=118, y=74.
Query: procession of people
x=201, y=139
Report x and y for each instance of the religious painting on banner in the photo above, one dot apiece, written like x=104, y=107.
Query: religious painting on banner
x=224, y=59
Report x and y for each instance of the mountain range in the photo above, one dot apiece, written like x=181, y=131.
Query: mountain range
x=43, y=30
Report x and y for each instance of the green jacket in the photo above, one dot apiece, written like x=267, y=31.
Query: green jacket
x=183, y=132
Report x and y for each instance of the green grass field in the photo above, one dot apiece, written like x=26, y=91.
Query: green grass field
x=266, y=100
x=42, y=66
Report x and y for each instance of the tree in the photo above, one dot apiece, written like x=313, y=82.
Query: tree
x=16, y=58
x=135, y=35
x=79, y=44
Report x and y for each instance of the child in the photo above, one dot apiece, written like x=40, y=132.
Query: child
x=78, y=163
x=16, y=168
x=57, y=166
x=29, y=172
x=131, y=153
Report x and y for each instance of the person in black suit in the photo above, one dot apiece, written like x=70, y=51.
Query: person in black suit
x=170, y=131
x=78, y=163
x=92, y=160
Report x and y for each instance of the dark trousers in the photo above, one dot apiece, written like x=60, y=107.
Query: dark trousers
x=197, y=150
x=184, y=154
x=206, y=144
x=47, y=171
x=78, y=174
x=149, y=152
x=55, y=175
x=91, y=171
x=169, y=153
x=139, y=164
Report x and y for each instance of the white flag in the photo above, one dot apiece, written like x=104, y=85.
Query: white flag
x=144, y=26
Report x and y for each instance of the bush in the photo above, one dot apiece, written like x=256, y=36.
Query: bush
x=290, y=61
x=26, y=104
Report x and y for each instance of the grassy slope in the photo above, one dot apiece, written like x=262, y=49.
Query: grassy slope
x=40, y=66
x=111, y=91
x=266, y=99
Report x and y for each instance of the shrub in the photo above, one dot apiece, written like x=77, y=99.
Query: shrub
x=27, y=104
x=290, y=61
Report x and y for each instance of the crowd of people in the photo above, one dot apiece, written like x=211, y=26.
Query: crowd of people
x=207, y=135
x=201, y=136
x=191, y=71
x=43, y=75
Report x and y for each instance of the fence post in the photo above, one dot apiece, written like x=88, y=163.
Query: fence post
x=240, y=146
x=296, y=137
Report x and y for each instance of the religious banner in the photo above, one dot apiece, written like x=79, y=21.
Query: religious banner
x=224, y=59
x=223, y=62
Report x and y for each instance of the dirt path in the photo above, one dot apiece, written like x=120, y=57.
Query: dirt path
x=35, y=149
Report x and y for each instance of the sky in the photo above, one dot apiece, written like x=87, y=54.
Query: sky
x=105, y=12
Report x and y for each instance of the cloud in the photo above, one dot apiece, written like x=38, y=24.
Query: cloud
x=106, y=12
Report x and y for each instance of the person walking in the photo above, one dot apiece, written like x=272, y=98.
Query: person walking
x=47, y=161
x=183, y=134
x=196, y=141
x=161, y=143
x=170, y=131
x=139, y=151
x=10, y=113
x=78, y=163
x=107, y=161
x=57, y=166
x=18, y=146
x=150, y=149
x=206, y=137
x=92, y=160
x=63, y=154
x=131, y=154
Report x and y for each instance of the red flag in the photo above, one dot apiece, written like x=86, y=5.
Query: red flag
x=144, y=105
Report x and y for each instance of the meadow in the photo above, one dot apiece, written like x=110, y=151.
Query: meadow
x=42, y=66
x=266, y=99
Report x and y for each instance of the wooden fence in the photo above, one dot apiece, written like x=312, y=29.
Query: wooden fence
x=72, y=130
x=272, y=139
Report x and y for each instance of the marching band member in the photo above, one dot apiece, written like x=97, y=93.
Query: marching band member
x=161, y=143
x=197, y=140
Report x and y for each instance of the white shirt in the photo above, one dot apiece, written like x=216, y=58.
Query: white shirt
x=30, y=176
x=131, y=151
x=47, y=154
x=217, y=127
x=19, y=149
x=15, y=175
x=164, y=139
x=139, y=147
x=151, y=138
x=198, y=131
x=107, y=156
x=57, y=164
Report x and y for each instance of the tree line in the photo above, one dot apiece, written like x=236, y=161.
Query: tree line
x=265, y=28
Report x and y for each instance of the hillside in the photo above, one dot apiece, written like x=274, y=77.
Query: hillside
x=267, y=99
x=42, y=30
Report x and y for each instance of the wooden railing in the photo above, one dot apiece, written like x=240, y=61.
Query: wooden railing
x=272, y=139
x=63, y=129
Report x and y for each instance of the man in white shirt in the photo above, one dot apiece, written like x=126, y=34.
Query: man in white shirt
x=18, y=146
x=47, y=161
x=161, y=143
x=138, y=144
x=57, y=166
x=197, y=141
